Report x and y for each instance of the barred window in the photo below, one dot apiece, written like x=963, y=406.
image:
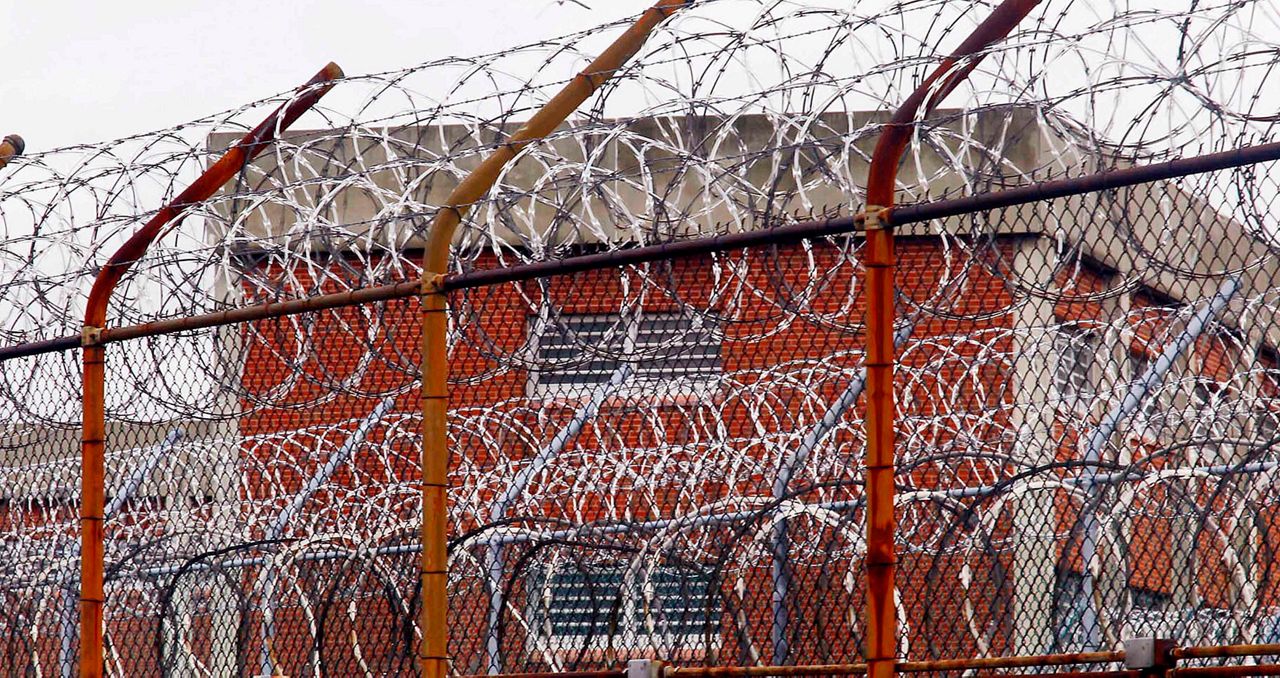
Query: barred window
x=1191, y=625
x=575, y=354
x=1069, y=605
x=596, y=607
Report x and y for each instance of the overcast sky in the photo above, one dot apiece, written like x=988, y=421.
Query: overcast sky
x=78, y=71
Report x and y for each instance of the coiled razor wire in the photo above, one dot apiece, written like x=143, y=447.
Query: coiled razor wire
x=271, y=466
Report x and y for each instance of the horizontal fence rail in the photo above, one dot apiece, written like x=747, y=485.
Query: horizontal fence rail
x=973, y=666
x=781, y=235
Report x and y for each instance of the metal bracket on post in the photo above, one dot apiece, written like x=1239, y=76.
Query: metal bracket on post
x=433, y=284
x=646, y=668
x=1149, y=656
x=90, y=336
x=873, y=218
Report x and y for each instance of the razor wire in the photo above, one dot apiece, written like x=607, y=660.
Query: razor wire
x=595, y=443
x=813, y=73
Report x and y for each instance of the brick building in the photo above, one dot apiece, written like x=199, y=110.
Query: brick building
x=664, y=460
x=1029, y=329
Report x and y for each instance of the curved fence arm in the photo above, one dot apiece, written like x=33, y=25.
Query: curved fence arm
x=11, y=147
x=92, y=444
x=882, y=176
x=433, y=651
x=208, y=183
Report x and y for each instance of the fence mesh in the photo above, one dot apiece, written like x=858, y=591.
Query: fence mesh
x=665, y=460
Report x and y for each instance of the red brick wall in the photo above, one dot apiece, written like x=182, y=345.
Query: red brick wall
x=759, y=335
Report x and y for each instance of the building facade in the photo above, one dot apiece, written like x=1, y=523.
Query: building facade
x=665, y=460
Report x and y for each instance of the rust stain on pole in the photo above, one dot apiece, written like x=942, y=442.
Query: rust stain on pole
x=1118, y=673
x=434, y=649
x=746, y=671
x=552, y=674
x=92, y=444
x=878, y=257
x=985, y=666
x=1223, y=671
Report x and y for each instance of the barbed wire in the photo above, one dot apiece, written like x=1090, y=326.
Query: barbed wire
x=1087, y=401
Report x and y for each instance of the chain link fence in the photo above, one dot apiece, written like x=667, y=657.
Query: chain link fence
x=656, y=337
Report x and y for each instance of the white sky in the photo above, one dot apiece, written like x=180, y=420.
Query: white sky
x=78, y=71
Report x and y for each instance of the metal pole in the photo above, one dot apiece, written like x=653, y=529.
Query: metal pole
x=434, y=650
x=67, y=614
x=1097, y=441
x=780, y=542
x=93, y=432
x=878, y=258
x=142, y=472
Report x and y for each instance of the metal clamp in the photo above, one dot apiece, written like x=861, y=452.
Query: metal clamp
x=90, y=336
x=873, y=218
x=646, y=668
x=15, y=144
x=1151, y=656
x=433, y=283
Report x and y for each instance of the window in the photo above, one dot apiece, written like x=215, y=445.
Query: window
x=1191, y=626
x=1074, y=351
x=1069, y=605
x=576, y=354
x=578, y=607
x=1148, y=600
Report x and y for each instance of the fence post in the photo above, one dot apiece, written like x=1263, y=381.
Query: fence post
x=433, y=651
x=878, y=259
x=797, y=457
x=93, y=424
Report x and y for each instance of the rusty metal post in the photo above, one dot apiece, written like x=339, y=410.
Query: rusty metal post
x=11, y=147
x=434, y=649
x=878, y=258
x=93, y=432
